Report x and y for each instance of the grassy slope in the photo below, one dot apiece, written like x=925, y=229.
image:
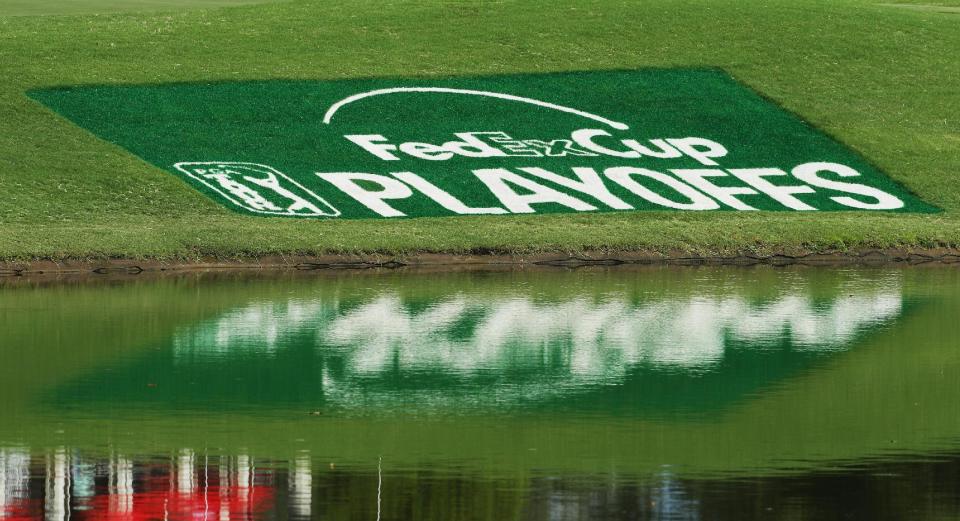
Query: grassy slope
x=69, y=7
x=882, y=79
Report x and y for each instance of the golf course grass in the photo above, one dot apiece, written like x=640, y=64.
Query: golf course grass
x=880, y=78
x=74, y=7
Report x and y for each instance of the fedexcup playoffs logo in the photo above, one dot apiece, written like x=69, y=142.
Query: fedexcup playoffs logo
x=525, y=144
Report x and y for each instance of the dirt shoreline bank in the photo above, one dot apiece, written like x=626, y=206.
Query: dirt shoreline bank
x=480, y=261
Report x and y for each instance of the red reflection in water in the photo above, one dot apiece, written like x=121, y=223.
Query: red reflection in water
x=23, y=510
x=162, y=493
x=213, y=503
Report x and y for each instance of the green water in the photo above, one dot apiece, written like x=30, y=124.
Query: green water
x=627, y=393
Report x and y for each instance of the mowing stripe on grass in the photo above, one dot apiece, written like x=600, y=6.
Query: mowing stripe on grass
x=685, y=140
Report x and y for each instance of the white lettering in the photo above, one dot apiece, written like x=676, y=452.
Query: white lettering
x=443, y=198
x=590, y=183
x=700, y=149
x=513, y=147
x=810, y=174
x=366, y=141
x=623, y=175
x=372, y=199
x=781, y=194
x=665, y=151
x=724, y=194
x=426, y=151
x=471, y=146
x=584, y=138
x=496, y=180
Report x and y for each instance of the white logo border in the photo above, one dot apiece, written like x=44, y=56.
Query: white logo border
x=182, y=167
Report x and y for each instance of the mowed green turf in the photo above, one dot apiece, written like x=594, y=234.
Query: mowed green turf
x=882, y=80
x=72, y=7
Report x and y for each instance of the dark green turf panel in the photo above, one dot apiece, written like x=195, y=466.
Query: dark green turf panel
x=257, y=147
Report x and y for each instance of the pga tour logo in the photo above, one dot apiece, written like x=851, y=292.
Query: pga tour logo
x=258, y=189
x=642, y=176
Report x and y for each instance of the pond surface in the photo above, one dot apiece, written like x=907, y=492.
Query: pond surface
x=627, y=393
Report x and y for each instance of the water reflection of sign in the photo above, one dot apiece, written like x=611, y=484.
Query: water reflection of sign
x=465, y=333
x=605, y=338
x=524, y=350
